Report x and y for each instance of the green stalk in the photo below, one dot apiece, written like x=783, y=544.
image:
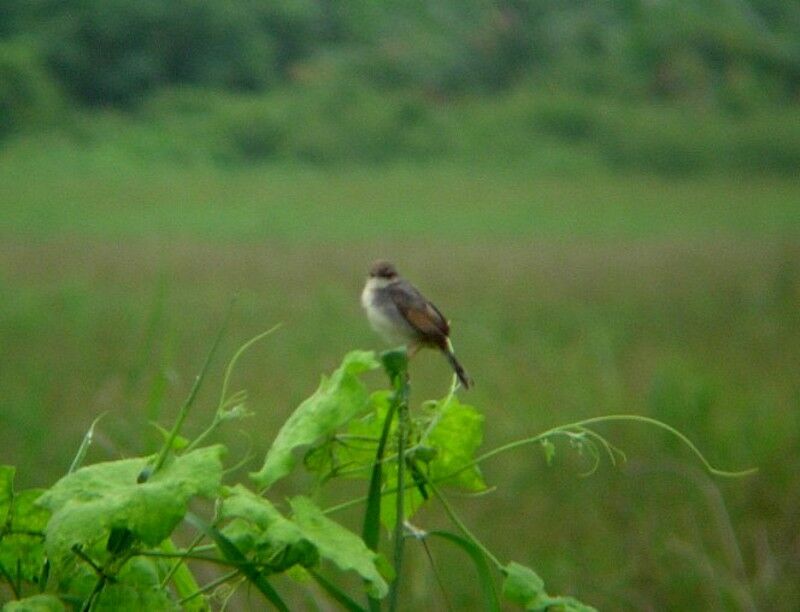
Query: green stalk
x=218, y=415
x=184, y=411
x=210, y=586
x=396, y=365
x=371, y=531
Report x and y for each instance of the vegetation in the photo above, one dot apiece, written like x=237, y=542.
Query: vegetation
x=607, y=295
x=663, y=87
x=603, y=199
x=100, y=538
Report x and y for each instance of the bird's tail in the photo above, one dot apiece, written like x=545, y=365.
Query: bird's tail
x=457, y=367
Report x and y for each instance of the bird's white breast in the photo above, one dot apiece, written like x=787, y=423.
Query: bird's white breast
x=383, y=314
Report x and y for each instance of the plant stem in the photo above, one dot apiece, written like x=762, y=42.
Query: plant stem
x=460, y=524
x=217, y=420
x=172, y=552
x=210, y=586
x=184, y=411
x=98, y=587
x=165, y=555
x=403, y=428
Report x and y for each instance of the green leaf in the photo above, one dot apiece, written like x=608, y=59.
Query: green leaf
x=337, y=400
x=241, y=502
x=412, y=500
x=454, y=433
x=305, y=538
x=338, y=544
x=178, y=441
x=136, y=588
x=357, y=447
x=21, y=530
x=278, y=542
x=523, y=586
x=458, y=433
x=90, y=502
x=37, y=603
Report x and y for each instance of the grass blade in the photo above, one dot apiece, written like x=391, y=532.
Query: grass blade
x=371, y=531
x=85, y=444
x=235, y=557
x=490, y=599
x=336, y=593
x=184, y=411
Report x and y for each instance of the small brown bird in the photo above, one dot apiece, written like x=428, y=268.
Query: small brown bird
x=400, y=313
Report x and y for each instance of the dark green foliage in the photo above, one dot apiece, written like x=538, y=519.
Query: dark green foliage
x=341, y=82
x=93, y=501
x=708, y=53
x=22, y=525
x=116, y=51
x=28, y=96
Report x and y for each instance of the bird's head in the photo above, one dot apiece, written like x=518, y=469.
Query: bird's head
x=383, y=269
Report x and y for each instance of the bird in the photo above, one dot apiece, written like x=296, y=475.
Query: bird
x=401, y=314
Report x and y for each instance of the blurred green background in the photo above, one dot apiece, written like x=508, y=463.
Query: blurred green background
x=603, y=197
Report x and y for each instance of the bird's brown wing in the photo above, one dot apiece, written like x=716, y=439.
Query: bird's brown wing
x=419, y=312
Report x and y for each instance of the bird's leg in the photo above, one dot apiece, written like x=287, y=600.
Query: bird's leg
x=412, y=349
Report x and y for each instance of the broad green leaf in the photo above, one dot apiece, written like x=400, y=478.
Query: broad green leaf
x=454, y=433
x=305, y=538
x=90, y=502
x=37, y=603
x=22, y=528
x=523, y=586
x=137, y=588
x=338, y=544
x=458, y=433
x=337, y=400
x=412, y=498
x=277, y=541
x=241, y=502
x=358, y=445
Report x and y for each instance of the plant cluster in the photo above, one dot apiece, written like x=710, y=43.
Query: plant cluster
x=103, y=537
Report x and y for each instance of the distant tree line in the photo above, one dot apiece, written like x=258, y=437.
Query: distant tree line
x=663, y=85
x=116, y=52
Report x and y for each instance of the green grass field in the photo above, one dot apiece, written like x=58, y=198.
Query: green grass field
x=571, y=295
